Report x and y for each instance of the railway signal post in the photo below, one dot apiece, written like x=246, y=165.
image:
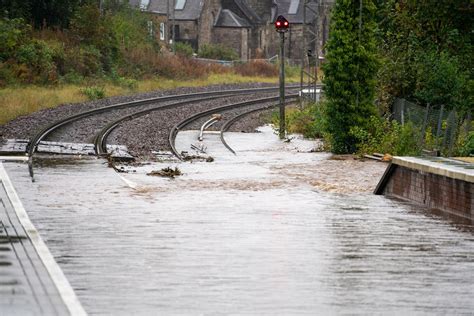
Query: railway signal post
x=282, y=25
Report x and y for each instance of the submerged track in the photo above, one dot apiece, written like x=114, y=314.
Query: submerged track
x=174, y=131
x=100, y=138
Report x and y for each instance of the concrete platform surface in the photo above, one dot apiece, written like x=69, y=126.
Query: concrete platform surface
x=438, y=165
x=31, y=283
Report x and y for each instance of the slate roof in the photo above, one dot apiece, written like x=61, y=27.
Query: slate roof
x=282, y=8
x=249, y=12
x=228, y=18
x=192, y=9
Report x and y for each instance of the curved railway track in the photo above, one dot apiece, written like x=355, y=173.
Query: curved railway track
x=100, y=139
x=225, y=127
x=174, y=131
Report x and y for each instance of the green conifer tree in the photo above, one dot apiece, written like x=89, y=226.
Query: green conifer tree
x=350, y=71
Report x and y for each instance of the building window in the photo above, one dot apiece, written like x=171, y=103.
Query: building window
x=176, y=32
x=151, y=31
x=294, y=6
x=144, y=4
x=180, y=4
x=162, y=31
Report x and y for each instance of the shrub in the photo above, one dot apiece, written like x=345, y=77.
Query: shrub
x=94, y=92
x=217, y=51
x=13, y=33
x=179, y=68
x=257, y=68
x=310, y=121
x=72, y=77
x=144, y=61
x=90, y=29
x=84, y=61
x=184, y=49
x=128, y=83
x=7, y=75
x=385, y=136
x=441, y=80
x=468, y=147
x=37, y=56
x=130, y=28
x=86, y=25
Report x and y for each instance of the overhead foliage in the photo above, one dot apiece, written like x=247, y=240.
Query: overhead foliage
x=41, y=13
x=427, y=51
x=94, y=44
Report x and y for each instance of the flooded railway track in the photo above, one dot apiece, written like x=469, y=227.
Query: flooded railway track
x=226, y=126
x=189, y=120
x=100, y=140
x=136, y=106
x=267, y=224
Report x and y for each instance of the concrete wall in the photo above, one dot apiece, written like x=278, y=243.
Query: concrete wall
x=433, y=191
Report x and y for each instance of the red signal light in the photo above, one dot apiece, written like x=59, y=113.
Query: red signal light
x=281, y=24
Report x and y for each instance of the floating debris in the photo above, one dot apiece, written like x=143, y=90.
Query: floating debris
x=198, y=158
x=387, y=158
x=344, y=157
x=166, y=172
x=199, y=148
x=379, y=157
x=165, y=156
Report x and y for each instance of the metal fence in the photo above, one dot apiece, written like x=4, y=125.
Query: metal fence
x=440, y=128
x=272, y=60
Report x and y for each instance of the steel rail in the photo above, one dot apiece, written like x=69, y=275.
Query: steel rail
x=230, y=122
x=33, y=144
x=205, y=126
x=100, y=140
x=174, y=131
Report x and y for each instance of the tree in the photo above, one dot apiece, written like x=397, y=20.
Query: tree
x=427, y=51
x=41, y=13
x=349, y=72
x=441, y=81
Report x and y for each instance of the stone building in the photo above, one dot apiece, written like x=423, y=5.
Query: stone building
x=234, y=32
x=192, y=21
x=293, y=11
x=244, y=25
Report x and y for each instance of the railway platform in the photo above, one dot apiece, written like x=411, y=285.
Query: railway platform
x=31, y=282
x=438, y=183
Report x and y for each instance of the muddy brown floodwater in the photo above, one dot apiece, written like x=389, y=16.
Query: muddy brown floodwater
x=274, y=230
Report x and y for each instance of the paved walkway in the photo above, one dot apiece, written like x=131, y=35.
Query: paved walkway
x=31, y=283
